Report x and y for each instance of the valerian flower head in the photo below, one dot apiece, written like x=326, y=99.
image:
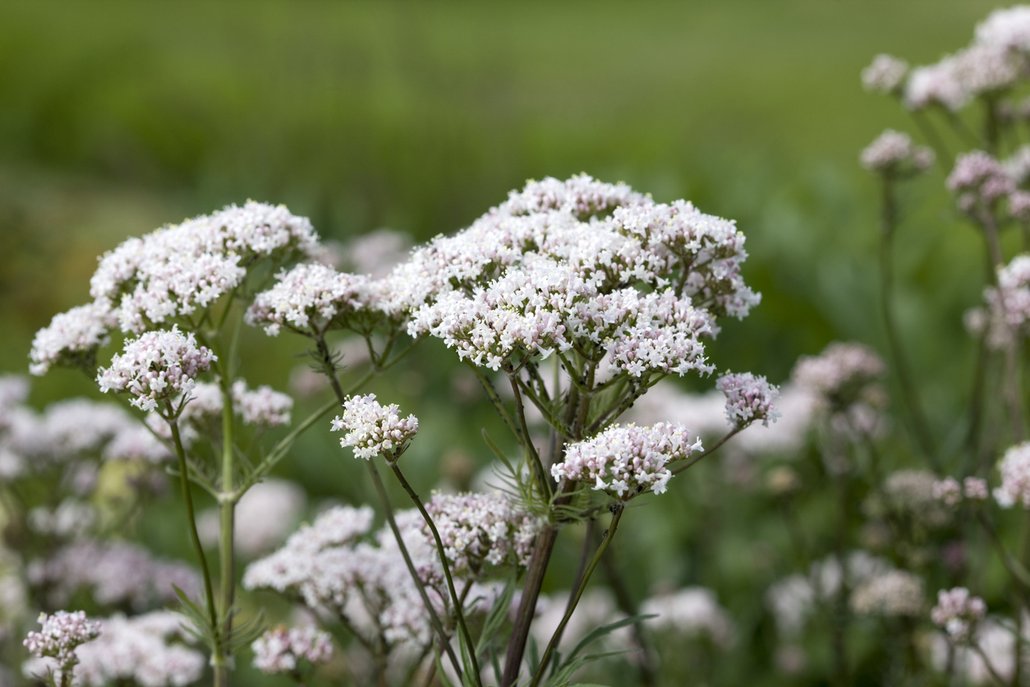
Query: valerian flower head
x=885, y=74
x=957, y=613
x=71, y=339
x=749, y=398
x=307, y=299
x=60, y=634
x=978, y=180
x=1007, y=315
x=156, y=367
x=373, y=429
x=893, y=154
x=624, y=461
x=1015, y=477
x=180, y=269
x=482, y=529
x=842, y=375
x=285, y=650
x=893, y=593
x=1007, y=28
x=577, y=264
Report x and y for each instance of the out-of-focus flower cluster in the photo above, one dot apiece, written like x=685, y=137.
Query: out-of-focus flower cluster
x=286, y=650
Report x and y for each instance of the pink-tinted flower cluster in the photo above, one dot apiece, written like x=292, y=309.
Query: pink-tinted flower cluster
x=958, y=612
x=373, y=429
x=60, y=634
x=180, y=269
x=1015, y=477
x=333, y=566
x=749, y=398
x=482, y=529
x=308, y=298
x=1008, y=304
x=951, y=492
x=978, y=180
x=286, y=650
x=71, y=339
x=885, y=74
x=624, y=461
x=894, y=154
x=156, y=368
x=841, y=374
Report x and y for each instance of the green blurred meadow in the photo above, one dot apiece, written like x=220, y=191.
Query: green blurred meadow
x=117, y=117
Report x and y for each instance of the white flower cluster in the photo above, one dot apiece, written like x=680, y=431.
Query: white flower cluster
x=331, y=566
x=482, y=529
x=995, y=62
x=894, y=593
x=60, y=634
x=885, y=74
x=893, y=153
x=71, y=339
x=308, y=299
x=978, y=180
x=840, y=370
x=373, y=429
x=909, y=492
x=145, y=650
x=560, y=264
x=116, y=574
x=950, y=492
x=263, y=406
x=627, y=460
x=283, y=650
x=958, y=612
x=749, y=398
x=179, y=269
x=844, y=380
x=992, y=641
x=793, y=599
x=1015, y=477
x=137, y=443
x=156, y=366
x=1008, y=305
x=690, y=612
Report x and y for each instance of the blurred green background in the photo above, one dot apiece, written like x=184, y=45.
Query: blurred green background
x=116, y=118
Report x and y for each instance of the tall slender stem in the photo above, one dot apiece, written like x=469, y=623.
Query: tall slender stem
x=571, y=608
x=459, y=611
x=434, y=618
x=227, y=526
x=384, y=498
x=888, y=224
x=205, y=571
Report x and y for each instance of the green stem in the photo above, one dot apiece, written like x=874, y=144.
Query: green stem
x=227, y=530
x=187, y=498
x=888, y=224
x=434, y=618
x=459, y=611
x=527, y=441
x=571, y=608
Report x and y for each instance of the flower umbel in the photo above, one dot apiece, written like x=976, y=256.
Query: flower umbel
x=157, y=366
x=59, y=636
x=282, y=650
x=373, y=429
x=628, y=460
x=749, y=398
